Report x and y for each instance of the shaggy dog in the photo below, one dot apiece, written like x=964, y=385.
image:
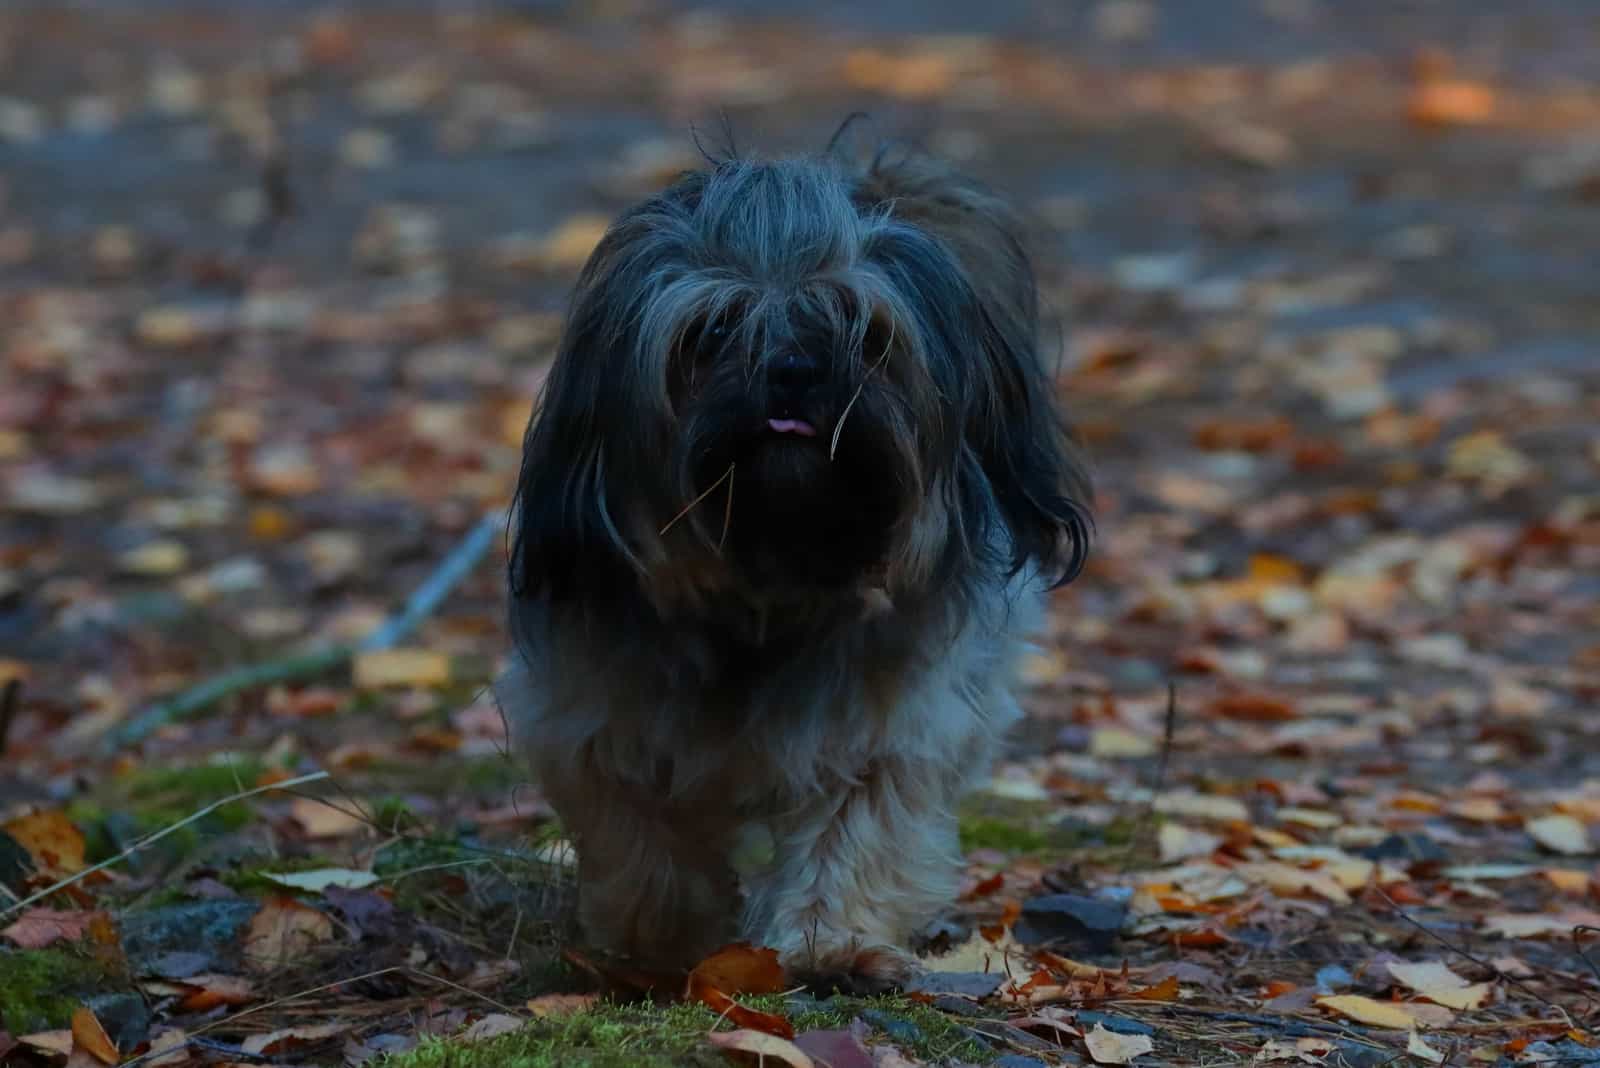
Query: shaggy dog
x=786, y=516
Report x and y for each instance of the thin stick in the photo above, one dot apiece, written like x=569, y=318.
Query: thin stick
x=214, y=1024
x=838, y=428
x=727, y=513
x=156, y=836
x=690, y=506
x=10, y=701
x=423, y=602
x=1510, y=980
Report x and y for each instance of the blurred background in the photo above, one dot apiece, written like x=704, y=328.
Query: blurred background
x=279, y=283
x=279, y=280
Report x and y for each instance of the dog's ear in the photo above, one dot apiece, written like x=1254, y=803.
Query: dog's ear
x=566, y=542
x=1023, y=445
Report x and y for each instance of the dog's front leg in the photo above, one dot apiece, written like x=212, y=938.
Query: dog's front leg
x=858, y=866
x=654, y=884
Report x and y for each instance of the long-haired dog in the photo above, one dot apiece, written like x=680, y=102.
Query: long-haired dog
x=786, y=516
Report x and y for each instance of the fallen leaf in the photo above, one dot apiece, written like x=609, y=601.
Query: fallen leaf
x=1176, y=842
x=168, y=1048
x=837, y=1048
x=1303, y=1050
x=761, y=1045
x=1560, y=834
x=50, y=838
x=1418, y=1048
x=1116, y=743
x=1252, y=708
x=208, y=990
x=1166, y=990
x=289, y=1037
x=282, y=932
x=39, y=927
x=321, y=819
x=319, y=879
x=1114, y=1047
x=1439, y=984
x=740, y=1015
x=548, y=1005
x=88, y=1034
x=741, y=969
x=1368, y=1011
x=1451, y=103
x=385, y=668
x=55, y=1043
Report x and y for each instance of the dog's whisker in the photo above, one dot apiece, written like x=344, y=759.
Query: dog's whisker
x=727, y=512
x=709, y=490
x=838, y=428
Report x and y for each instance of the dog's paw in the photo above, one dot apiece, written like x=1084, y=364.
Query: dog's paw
x=856, y=971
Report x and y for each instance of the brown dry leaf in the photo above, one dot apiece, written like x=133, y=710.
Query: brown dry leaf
x=1567, y=880
x=208, y=990
x=88, y=1034
x=548, y=1005
x=1560, y=834
x=51, y=839
x=384, y=668
x=37, y=927
x=724, y=1006
x=1369, y=1011
x=1252, y=708
x=761, y=1046
x=289, y=1037
x=282, y=932
x=1166, y=990
x=1452, y=102
x=569, y=245
x=1113, y=1047
x=741, y=968
x=1303, y=1051
x=1439, y=984
x=319, y=819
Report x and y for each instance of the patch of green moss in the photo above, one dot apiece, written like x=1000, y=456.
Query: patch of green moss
x=193, y=786
x=610, y=1036
x=996, y=834
x=39, y=988
x=648, y=1036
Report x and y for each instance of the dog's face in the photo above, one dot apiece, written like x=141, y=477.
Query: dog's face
x=786, y=380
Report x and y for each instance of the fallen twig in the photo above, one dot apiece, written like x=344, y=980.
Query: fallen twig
x=303, y=665
x=156, y=836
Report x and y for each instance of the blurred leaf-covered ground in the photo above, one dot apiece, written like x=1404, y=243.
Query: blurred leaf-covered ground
x=278, y=284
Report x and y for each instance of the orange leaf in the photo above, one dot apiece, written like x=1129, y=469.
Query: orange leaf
x=89, y=1035
x=1253, y=708
x=209, y=990
x=50, y=838
x=1277, y=988
x=741, y=968
x=1451, y=103
x=739, y=1015
x=1166, y=990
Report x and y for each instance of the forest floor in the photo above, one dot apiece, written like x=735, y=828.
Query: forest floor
x=277, y=290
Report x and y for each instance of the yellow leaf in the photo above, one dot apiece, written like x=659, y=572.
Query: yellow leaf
x=1439, y=984
x=1115, y=743
x=1367, y=1011
x=382, y=668
x=155, y=558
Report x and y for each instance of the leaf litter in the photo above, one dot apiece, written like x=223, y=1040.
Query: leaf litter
x=1346, y=488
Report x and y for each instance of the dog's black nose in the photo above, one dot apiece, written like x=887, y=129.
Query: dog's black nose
x=792, y=374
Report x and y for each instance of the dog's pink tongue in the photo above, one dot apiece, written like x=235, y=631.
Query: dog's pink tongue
x=793, y=426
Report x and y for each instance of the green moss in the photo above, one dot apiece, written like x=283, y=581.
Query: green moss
x=39, y=988
x=193, y=786
x=647, y=1036
x=996, y=834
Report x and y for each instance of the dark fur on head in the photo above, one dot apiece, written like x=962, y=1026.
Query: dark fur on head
x=940, y=457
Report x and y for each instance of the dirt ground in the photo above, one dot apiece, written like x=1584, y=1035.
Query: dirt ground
x=279, y=283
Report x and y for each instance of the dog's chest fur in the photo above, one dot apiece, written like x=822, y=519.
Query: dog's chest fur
x=689, y=715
